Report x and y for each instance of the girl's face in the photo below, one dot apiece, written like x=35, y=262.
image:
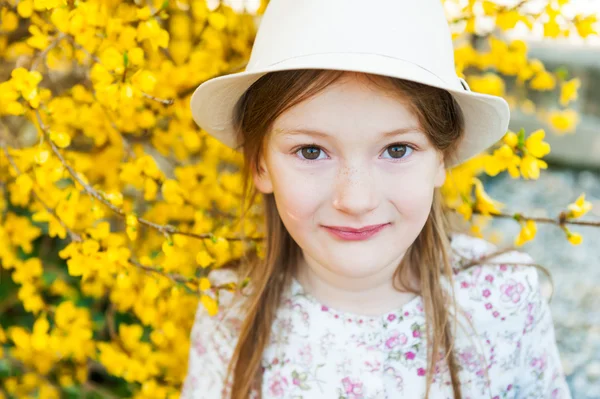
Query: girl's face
x=351, y=156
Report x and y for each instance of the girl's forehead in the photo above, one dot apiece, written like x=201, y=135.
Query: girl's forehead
x=339, y=108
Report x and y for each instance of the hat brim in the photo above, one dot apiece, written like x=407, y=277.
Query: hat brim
x=486, y=116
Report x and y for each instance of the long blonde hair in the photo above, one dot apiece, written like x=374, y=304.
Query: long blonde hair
x=440, y=117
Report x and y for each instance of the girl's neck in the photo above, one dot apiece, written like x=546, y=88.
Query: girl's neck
x=372, y=296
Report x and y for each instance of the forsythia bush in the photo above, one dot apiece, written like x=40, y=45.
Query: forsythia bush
x=114, y=207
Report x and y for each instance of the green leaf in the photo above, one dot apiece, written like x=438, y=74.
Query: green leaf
x=521, y=137
x=562, y=73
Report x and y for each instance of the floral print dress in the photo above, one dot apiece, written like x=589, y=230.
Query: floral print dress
x=505, y=342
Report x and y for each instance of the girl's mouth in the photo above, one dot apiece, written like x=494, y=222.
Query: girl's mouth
x=355, y=234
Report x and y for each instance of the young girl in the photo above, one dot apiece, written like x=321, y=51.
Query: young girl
x=349, y=116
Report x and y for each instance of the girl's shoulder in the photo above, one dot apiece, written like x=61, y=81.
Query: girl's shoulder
x=212, y=342
x=500, y=287
x=473, y=254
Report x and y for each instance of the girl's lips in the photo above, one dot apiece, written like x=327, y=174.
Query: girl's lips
x=355, y=234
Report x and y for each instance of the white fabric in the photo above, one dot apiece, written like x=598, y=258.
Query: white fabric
x=318, y=352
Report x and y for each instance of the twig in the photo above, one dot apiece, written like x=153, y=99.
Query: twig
x=164, y=229
x=42, y=56
x=74, y=236
x=562, y=219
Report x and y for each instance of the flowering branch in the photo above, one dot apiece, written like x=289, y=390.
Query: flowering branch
x=562, y=219
x=74, y=236
x=163, y=229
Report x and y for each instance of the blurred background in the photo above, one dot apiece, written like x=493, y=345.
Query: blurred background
x=123, y=71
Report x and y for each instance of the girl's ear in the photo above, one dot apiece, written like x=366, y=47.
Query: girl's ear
x=440, y=175
x=262, y=178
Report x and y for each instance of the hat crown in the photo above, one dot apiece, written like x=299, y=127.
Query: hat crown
x=413, y=31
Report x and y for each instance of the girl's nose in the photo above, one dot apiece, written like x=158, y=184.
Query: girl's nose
x=355, y=191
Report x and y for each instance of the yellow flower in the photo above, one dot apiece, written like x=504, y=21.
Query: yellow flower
x=10, y=20
x=511, y=139
x=26, y=83
x=502, y=159
x=61, y=139
x=466, y=210
x=535, y=144
x=172, y=192
x=204, y=284
x=489, y=83
x=144, y=80
x=527, y=233
x=48, y=4
x=114, y=198
x=150, y=189
x=204, y=259
x=552, y=28
x=210, y=304
x=132, y=226
x=508, y=20
x=113, y=60
x=21, y=190
x=217, y=20
x=136, y=56
x=574, y=238
x=489, y=7
x=580, y=207
x=543, y=81
x=530, y=167
x=564, y=121
x=25, y=8
x=152, y=31
x=38, y=38
x=220, y=248
x=568, y=91
x=484, y=203
x=585, y=26
x=143, y=13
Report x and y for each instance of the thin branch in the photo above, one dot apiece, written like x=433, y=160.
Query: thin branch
x=561, y=220
x=164, y=229
x=74, y=236
x=42, y=56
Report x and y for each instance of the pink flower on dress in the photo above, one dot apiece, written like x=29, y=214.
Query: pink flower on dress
x=277, y=385
x=199, y=347
x=305, y=354
x=489, y=278
x=488, y=306
x=539, y=362
x=395, y=339
x=410, y=355
x=486, y=293
x=503, y=268
x=511, y=291
x=421, y=371
x=391, y=317
x=353, y=389
x=416, y=333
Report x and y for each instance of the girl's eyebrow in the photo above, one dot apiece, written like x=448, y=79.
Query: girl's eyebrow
x=312, y=132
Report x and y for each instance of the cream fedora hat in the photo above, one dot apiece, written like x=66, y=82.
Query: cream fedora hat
x=407, y=39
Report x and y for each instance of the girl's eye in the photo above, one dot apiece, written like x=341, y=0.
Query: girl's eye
x=312, y=152
x=398, y=151
x=309, y=153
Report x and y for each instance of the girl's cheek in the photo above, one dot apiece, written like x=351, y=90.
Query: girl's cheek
x=298, y=198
